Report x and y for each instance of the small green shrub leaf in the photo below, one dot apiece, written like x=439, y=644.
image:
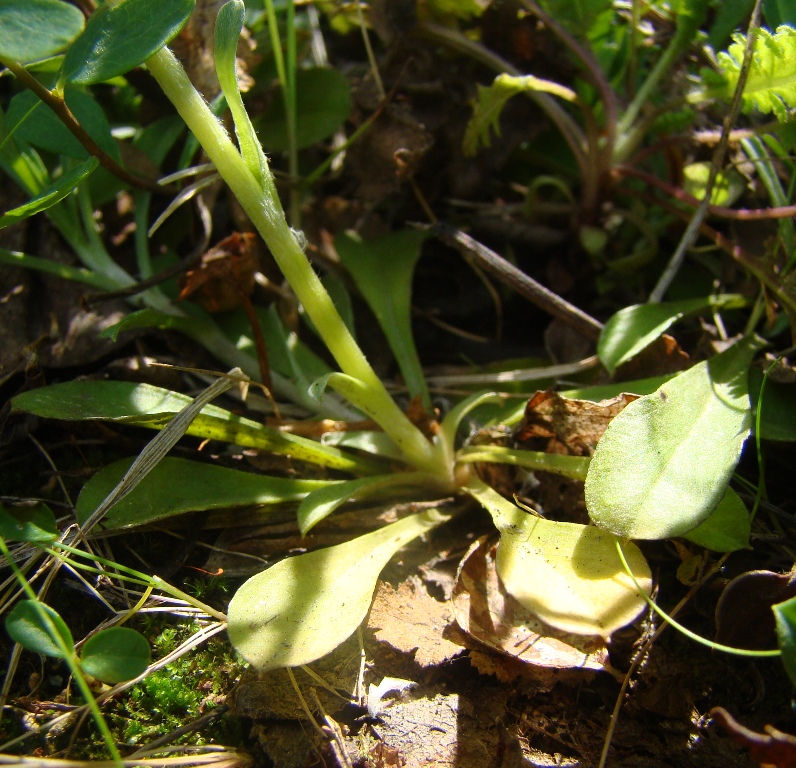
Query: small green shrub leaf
x=569, y=575
x=728, y=527
x=36, y=29
x=176, y=486
x=52, y=195
x=634, y=328
x=120, y=37
x=304, y=607
x=34, y=525
x=663, y=464
x=785, y=616
x=39, y=628
x=382, y=269
x=115, y=655
x=323, y=102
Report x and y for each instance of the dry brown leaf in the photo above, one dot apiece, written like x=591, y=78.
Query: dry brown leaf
x=773, y=749
x=485, y=611
x=567, y=426
x=411, y=621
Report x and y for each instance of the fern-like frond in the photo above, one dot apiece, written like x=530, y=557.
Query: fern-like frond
x=771, y=85
x=492, y=99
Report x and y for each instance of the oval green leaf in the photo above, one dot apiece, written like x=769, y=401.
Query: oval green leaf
x=728, y=527
x=176, y=486
x=115, y=655
x=304, y=607
x=34, y=525
x=119, y=37
x=663, y=464
x=634, y=328
x=569, y=575
x=39, y=628
x=36, y=29
x=51, y=195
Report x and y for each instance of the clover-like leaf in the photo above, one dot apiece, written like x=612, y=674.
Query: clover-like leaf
x=32, y=524
x=115, y=654
x=39, y=628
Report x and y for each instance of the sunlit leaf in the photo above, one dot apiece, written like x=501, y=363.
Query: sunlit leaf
x=569, y=575
x=664, y=462
x=119, y=37
x=176, y=486
x=39, y=628
x=304, y=607
x=34, y=525
x=35, y=29
x=728, y=527
x=52, y=195
x=633, y=328
x=115, y=654
x=153, y=407
x=785, y=615
x=728, y=185
x=382, y=269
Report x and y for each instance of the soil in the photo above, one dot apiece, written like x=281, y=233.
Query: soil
x=461, y=696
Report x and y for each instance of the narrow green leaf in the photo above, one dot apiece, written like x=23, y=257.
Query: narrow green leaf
x=728, y=527
x=176, y=486
x=321, y=503
x=120, y=37
x=382, y=269
x=115, y=655
x=568, y=574
x=664, y=462
x=52, y=195
x=634, y=328
x=64, y=271
x=34, y=525
x=785, y=616
x=39, y=628
x=36, y=29
x=229, y=24
x=304, y=607
x=323, y=102
x=778, y=409
x=153, y=407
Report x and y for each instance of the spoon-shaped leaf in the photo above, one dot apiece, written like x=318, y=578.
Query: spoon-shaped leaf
x=664, y=462
x=119, y=37
x=35, y=29
x=568, y=574
x=304, y=607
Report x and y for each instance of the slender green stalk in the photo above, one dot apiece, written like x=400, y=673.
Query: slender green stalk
x=268, y=217
x=68, y=655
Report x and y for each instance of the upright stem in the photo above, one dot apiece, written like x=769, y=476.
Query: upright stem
x=267, y=215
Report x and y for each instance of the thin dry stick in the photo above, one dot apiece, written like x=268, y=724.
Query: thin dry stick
x=516, y=279
x=692, y=230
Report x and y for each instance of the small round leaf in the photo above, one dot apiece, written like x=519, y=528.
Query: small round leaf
x=35, y=525
x=116, y=654
x=35, y=29
x=38, y=628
